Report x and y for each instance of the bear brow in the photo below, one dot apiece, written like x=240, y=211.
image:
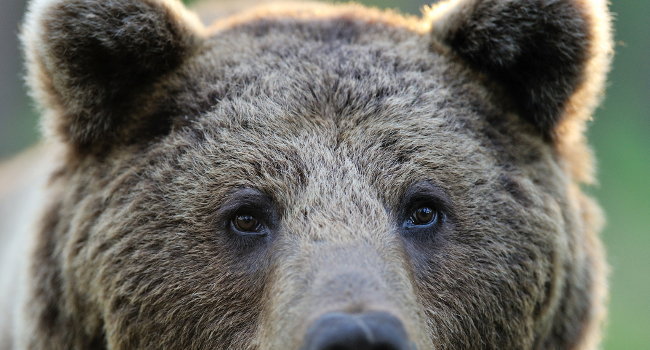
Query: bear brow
x=426, y=190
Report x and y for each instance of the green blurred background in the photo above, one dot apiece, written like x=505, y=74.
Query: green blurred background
x=620, y=135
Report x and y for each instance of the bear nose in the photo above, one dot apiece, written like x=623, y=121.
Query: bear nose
x=365, y=331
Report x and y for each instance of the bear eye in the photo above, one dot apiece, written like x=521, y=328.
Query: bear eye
x=424, y=210
x=246, y=224
x=424, y=215
x=247, y=214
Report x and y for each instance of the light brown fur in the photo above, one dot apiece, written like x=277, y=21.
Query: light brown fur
x=335, y=114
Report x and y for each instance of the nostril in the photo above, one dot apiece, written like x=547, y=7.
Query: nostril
x=367, y=331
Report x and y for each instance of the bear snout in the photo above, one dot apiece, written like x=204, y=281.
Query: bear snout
x=374, y=330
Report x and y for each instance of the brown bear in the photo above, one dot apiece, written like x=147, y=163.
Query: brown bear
x=309, y=176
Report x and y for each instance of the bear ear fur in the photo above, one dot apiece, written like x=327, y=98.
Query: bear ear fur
x=552, y=56
x=89, y=60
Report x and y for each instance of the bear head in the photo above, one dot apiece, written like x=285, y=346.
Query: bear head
x=302, y=173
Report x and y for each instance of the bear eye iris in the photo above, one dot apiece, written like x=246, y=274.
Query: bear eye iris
x=246, y=223
x=424, y=216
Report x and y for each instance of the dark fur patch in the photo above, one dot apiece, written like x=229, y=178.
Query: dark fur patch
x=103, y=59
x=514, y=188
x=536, y=49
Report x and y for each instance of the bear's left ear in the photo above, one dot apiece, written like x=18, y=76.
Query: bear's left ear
x=90, y=62
x=552, y=56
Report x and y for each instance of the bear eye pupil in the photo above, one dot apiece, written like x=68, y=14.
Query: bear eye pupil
x=246, y=223
x=423, y=216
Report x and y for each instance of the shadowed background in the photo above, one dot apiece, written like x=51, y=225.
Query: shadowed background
x=620, y=135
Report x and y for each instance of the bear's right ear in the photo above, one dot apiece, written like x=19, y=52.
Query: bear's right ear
x=90, y=61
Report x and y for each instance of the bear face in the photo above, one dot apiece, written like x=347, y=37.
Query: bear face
x=229, y=187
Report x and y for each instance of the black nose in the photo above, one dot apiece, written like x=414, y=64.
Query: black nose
x=367, y=331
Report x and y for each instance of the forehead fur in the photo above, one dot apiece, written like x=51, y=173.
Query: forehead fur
x=335, y=76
